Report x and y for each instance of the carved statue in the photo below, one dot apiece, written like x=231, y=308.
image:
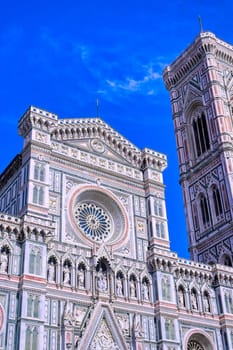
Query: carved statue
x=81, y=278
x=66, y=274
x=145, y=291
x=4, y=262
x=206, y=303
x=194, y=301
x=132, y=288
x=119, y=287
x=102, y=281
x=51, y=272
x=181, y=299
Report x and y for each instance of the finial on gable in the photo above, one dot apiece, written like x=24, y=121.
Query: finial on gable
x=200, y=23
x=97, y=107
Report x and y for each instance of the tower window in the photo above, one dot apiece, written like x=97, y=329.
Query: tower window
x=204, y=211
x=201, y=135
x=217, y=202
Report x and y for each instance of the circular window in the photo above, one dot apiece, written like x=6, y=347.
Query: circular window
x=93, y=221
x=98, y=216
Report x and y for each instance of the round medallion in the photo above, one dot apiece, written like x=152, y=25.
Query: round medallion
x=93, y=221
x=97, y=146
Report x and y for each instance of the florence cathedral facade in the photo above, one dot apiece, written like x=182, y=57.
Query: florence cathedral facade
x=85, y=260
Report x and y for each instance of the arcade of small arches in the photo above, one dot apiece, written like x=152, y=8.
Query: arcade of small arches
x=196, y=301
x=80, y=277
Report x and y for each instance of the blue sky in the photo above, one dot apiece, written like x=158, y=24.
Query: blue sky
x=62, y=55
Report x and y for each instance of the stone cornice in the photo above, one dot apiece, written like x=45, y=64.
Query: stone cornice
x=205, y=43
x=76, y=129
x=11, y=169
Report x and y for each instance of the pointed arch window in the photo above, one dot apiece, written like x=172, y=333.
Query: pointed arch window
x=33, y=306
x=31, y=341
x=158, y=207
x=201, y=134
x=39, y=172
x=217, y=201
x=38, y=195
x=160, y=229
x=204, y=210
x=35, y=261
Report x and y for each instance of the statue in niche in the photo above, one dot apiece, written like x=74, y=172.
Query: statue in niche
x=51, y=271
x=145, y=291
x=81, y=278
x=66, y=274
x=166, y=288
x=206, y=303
x=119, y=287
x=4, y=262
x=181, y=299
x=194, y=300
x=132, y=288
x=102, y=281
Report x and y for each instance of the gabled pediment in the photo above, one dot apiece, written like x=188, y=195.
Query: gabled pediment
x=96, y=136
x=192, y=94
x=98, y=147
x=103, y=331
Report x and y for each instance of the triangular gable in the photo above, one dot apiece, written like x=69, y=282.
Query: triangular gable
x=103, y=331
x=192, y=94
x=106, y=151
x=97, y=137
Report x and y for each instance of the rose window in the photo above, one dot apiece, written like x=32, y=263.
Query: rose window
x=98, y=216
x=194, y=345
x=93, y=221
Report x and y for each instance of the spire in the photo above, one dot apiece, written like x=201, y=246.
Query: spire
x=200, y=23
x=97, y=107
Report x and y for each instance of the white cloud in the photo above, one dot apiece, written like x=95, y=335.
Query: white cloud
x=143, y=85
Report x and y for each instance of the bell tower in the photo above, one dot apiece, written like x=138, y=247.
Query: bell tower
x=200, y=82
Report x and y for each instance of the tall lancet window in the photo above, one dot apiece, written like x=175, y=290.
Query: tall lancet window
x=217, y=202
x=201, y=134
x=204, y=211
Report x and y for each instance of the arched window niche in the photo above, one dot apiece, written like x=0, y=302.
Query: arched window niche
x=217, y=201
x=200, y=133
x=204, y=209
